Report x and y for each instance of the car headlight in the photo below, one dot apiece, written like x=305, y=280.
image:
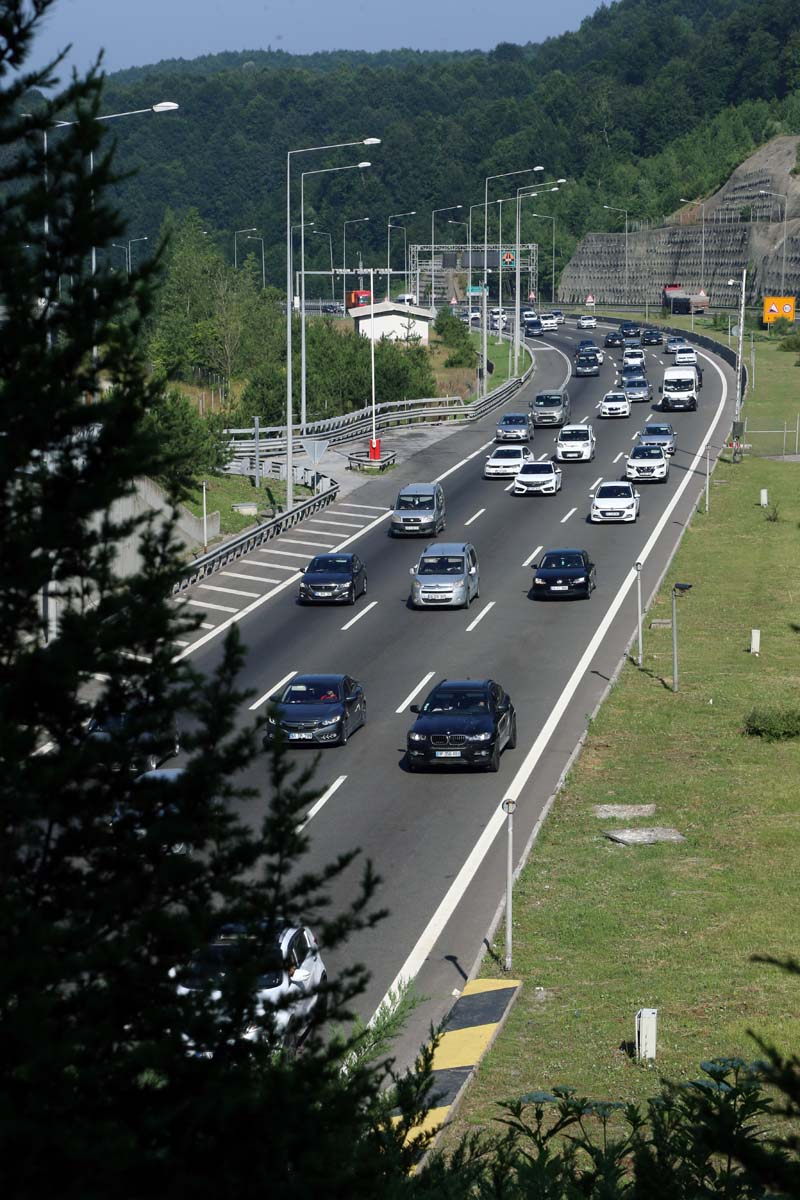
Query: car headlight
x=538, y=580
x=329, y=721
x=480, y=737
x=416, y=737
x=580, y=579
x=272, y=720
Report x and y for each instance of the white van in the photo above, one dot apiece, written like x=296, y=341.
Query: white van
x=406, y=298
x=679, y=389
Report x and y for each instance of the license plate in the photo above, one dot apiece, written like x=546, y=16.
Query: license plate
x=609, y=513
x=293, y=737
x=559, y=587
x=448, y=754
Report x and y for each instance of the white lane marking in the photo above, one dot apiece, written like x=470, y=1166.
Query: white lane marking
x=583, y=420
x=177, y=642
x=213, y=587
x=273, y=566
x=542, y=457
x=324, y=798
x=358, y=616
x=568, y=336
x=338, y=524
x=207, y=625
x=598, y=480
x=280, y=587
x=252, y=578
x=455, y=893
x=284, y=553
x=272, y=691
x=480, y=616
x=509, y=487
x=381, y=508
x=303, y=542
x=569, y=514
x=619, y=456
x=204, y=604
x=425, y=679
x=532, y=556
x=479, y=513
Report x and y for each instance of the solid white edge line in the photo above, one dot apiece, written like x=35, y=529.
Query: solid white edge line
x=497, y=821
x=480, y=616
x=415, y=691
x=569, y=514
x=479, y=513
x=358, y=616
x=532, y=556
x=324, y=798
x=274, y=688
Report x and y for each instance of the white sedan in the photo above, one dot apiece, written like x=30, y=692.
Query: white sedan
x=614, y=500
x=615, y=404
x=587, y=321
x=537, y=478
x=506, y=461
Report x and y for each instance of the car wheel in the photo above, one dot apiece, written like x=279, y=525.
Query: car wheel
x=321, y=1006
x=512, y=737
x=364, y=588
x=363, y=712
x=351, y=595
x=493, y=764
x=344, y=732
x=468, y=600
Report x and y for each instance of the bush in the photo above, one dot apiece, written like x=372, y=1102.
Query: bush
x=773, y=724
x=790, y=343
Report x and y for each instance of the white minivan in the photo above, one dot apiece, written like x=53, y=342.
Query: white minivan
x=679, y=389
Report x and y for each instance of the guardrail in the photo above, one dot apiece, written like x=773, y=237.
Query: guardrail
x=237, y=547
x=351, y=426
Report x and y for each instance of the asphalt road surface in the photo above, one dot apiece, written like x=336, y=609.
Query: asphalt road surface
x=437, y=839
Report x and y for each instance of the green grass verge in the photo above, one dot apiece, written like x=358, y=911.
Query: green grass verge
x=499, y=355
x=223, y=491
x=601, y=930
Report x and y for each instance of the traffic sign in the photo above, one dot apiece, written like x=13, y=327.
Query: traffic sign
x=590, y=298
x=531, y=295
x=454, y=301
x=475, y=290
x=509, y=257
x=509, y=804
x=315, y=448
x=777, y=307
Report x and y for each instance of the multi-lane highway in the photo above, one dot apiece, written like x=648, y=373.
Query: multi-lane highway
x=433, y=837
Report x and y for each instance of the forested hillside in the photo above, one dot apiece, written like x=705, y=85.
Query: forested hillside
x=649, y=100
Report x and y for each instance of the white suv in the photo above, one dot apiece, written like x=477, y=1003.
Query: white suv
x=633, y=358
x=647, y=464
x=575, y=442
x=549, y=322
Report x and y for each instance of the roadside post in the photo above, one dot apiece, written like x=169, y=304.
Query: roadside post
x=509, y=804
x=205, y=519
x=639, y=611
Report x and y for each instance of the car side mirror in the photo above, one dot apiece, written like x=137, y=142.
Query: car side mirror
x=300, y=976
x=473, y=570
x=351, y=699
x=534, y=566
x=637, y=495
x=412, y=570
x=502, y=708
x=414, y=708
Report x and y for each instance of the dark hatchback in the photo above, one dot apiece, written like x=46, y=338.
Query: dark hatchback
x=629, y=329
x=562, y=574
x=463, y=723
x=587, y=364
x=333, y=579
x=318, y=710
x=613, y=338
x=652, y=337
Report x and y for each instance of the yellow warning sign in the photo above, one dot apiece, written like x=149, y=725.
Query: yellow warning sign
x=777, y=307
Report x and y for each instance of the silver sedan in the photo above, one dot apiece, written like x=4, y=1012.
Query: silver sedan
x=659, y=433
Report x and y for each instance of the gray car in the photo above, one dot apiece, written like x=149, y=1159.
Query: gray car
x=419, y=509
x=551, y=408
x=637, y=387
x=514, y=427
x=659, y=434
x=446, y=576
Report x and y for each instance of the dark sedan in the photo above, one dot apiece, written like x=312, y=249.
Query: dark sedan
x=564, y=573
x=463, y=723
x=587, y=364
x=630, y=329
x=613, y=338
x=652, y=337
x=319, y=710
x=333, y=579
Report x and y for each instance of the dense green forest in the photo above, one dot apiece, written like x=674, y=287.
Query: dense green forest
x=647, y=101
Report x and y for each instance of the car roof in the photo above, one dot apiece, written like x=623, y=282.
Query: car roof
x=447, y=548
x=334, y=554
x=562, y=550
x=417, y=489
x=314, y=679
x=460, y=684
x=564, y=428
x=514, y=414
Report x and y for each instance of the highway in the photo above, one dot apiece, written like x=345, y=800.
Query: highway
x=437, y=839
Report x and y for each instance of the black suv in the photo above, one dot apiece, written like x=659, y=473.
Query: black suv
x=652, y=337
x=463, y=723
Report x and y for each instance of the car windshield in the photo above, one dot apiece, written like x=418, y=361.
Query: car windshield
x=647, y=452
x=472, y=703
x=684, y=384
x=537, y=469
x=613, y=491
x=507, y=452
x=327, y=691
x=561, y=560
x=658, y=430
x=415, y=501
x=634, y=381
x=514, y=419
x=587, y=360
x=331, y=562
x=545, y=401
x=441, y=564
x=614, y=398
x=211, y=966
x=574, y=435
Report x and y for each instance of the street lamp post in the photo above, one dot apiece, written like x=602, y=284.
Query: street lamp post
x=131, y=242
x=678, y=589
x=702, y=204
x=126, y=251
x=611, y=208
x=449, y=208
x=732, y=283
x=359, y=166
x=389, y=228
x=263, y=268
x=639, y=657
x=525, y=193
x=468, y=227
x=487, y=181
x=252, y=229
x=352, y=221
x=781, y=196
x=508, y=806
x=321, y=233
x=289, y=294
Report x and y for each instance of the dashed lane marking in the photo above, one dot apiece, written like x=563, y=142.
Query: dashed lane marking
x=619, y=456
x=480, y=616
x=213, y=587
x=425, y=679
x=273, y=566
x=252, y=578
x=303, y=542
x=569, y=514
x=262, y=699
x=338, y=524
x=479, y=513
x=369, y=507
x=285, y=553
x=358, y=616
x=323, y=800
x=214, y=607
x=532, y=556
x=594, y=485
